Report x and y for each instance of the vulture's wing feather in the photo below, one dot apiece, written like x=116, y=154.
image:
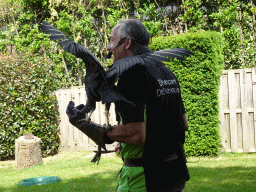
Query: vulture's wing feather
x=159, y=57
x=97, y=88
x=76, y=49
x=170, y=54
x=178, y=53
x=150, y=58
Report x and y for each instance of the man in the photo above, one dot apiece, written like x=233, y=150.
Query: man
x=152, y=131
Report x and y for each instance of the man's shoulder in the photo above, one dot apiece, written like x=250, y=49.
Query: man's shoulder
x=136, y=71
x=122, y=66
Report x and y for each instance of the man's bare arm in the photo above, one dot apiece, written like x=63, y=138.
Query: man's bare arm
x=185, y=121
x=134, y=133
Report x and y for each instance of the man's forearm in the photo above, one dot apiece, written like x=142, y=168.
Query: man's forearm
x=185, y=120
x=134, y=133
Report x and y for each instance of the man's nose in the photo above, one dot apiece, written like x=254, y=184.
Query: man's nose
x=109, y=47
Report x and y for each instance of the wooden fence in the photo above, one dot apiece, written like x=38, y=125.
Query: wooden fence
x=237, y=98
x=71, y=138
x=237, y=110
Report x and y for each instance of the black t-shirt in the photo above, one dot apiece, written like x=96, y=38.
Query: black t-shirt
x=157, y=90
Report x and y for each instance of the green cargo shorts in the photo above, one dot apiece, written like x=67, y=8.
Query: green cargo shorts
x=132, y=179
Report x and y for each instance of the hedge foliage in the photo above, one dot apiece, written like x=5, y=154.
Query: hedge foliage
x=90, y=22
x=199, y=78
x=27, y=103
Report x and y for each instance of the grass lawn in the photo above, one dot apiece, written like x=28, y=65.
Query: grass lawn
x=228, y=172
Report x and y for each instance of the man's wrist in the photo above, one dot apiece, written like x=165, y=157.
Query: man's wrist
x=107, y=140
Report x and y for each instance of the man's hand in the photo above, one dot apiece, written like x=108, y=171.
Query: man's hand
x=118, y=148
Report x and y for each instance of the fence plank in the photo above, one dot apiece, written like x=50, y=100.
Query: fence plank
x=232, y=107
x=244, y=109
x=238, y=112
x=224, y=112
x=221, y=117
x=254, y=103
x=246, y=144
x=250, y=136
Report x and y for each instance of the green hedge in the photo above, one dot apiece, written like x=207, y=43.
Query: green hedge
x=27, y=103
x=199, y=78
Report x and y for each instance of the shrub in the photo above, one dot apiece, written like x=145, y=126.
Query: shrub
x=27, y=103
x=199, y=77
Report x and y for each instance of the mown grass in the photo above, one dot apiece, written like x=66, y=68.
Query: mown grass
x=75, y=170
x=228, y=172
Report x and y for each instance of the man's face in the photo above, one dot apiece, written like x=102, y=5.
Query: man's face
x=118, y=52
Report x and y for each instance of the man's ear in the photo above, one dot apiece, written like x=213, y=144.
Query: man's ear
x=128, y=43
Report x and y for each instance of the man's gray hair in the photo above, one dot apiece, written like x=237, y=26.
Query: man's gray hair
x=135, y=29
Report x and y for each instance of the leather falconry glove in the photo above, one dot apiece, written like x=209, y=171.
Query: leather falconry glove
x=94, y=131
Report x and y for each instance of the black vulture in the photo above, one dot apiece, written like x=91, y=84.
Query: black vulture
x=96, y=85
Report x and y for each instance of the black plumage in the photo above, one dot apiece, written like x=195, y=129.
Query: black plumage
x=96, y=86
x=152, y=58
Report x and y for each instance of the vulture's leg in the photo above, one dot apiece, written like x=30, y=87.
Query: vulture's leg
x=90, y=111
x=92, y=104
x=90, y=114
x=107, y=113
